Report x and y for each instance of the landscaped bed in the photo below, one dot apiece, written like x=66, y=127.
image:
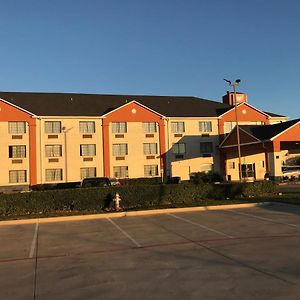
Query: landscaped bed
x=138, y=197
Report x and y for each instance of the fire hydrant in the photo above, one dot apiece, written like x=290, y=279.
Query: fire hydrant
x=117, y=199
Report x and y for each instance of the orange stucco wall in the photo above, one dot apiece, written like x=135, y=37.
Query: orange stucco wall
x=132, y=112
x=292, y=134
x=245, y=113
x=11, y=113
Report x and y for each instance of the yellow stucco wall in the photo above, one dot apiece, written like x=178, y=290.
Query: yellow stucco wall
x=135, y=137
x=6, y=162
x=70, y=138
x=257, y=159
x=192, y=137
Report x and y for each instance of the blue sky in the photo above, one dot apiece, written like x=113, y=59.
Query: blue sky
x=157, y=47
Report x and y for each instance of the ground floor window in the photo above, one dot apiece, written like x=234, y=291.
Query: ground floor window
x=151, y=170
x=206, y=168
x=87, y=172
x=53, y=174
x=17, y=176
x=248, y=170
x=120, y=172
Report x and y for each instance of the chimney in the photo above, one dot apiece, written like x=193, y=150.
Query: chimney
x=229, y=98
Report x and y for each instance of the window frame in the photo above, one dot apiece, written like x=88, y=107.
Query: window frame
x=205, y=126
x=18, y=129
x=123, y=169
x=87, y=126
x=118, y=151
x=119, y=127
x=85, y=150
x=176, y=128
x=52, y=129
x=177, y=148
x=17, y=151
x=18, y=177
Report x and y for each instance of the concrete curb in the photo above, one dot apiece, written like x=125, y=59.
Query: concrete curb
x=131, y=213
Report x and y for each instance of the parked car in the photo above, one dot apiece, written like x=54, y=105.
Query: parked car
x=95, y=182
x=114, y=181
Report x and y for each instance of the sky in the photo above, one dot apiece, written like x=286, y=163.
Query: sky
x=154, y=47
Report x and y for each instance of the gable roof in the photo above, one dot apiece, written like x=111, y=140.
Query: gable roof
x=274, y=115
x=71, y=104
x=267, y=132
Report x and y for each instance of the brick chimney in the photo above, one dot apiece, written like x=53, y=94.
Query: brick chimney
x=229, y=98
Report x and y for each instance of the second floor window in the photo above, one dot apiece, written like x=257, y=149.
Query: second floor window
x=53, y=150
x=177, y=127
x=52, y=127
x=16, y=127
x=119, y=127
x=119, y=149
x=206, y=147
x=88, y=150
x=87, y=127
x=179, y=148
x=149, y=127
x=205, y=126
x=150, y=148
x=18, y=151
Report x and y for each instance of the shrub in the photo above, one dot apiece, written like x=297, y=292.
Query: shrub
x=209, y=177
x=133, y=197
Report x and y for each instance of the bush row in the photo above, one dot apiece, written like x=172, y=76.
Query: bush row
x=133, y=197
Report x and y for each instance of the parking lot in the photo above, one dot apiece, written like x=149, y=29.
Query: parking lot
x=245, y=253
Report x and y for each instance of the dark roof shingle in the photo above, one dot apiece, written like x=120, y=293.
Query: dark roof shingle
x=266, y=132
x=71, y=104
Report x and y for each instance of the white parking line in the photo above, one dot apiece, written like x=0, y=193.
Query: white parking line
x=263, y=219
x=202, y=226
x=124, y=232
x=33, y=244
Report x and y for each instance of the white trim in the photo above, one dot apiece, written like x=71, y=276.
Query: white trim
x=247, y=104
x=136, y=102
x=274, y=137
x=69, y=117
x=249, y=134
x=18, y=107
x=242, y=144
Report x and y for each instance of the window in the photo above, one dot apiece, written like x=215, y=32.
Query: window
x=119, y=127
x=87, y=127
x=119, y=149
x=150, y=148
x=177, y=127
x=16, y=151
x=179, y=148
x=87, y=172
x=52, y=127
x=231, y=165
x=149, y=127
x=16, y=127
x=206, y=147
x=120, y=172
x=205, y=126
x=17, y=176
x=248, y=170
x=53, y=150
x=88, y=150
x=151, y=170
x=53, y=174
x=206, y=168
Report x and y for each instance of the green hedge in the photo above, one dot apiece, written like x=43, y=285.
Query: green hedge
x=133, y=197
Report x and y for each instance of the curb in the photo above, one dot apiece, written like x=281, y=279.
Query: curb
x=131, y=214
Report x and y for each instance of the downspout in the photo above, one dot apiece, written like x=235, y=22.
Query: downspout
x=41, y=160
